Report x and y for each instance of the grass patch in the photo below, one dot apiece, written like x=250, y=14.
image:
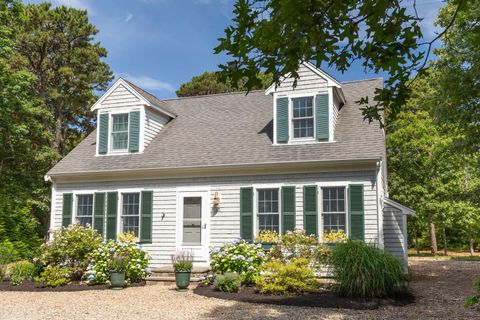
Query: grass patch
x=465, y=258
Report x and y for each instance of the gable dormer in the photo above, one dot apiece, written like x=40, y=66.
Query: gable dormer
x=306, y=113
x=128, y=118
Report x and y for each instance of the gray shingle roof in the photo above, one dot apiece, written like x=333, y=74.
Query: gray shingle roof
x=162, y=105
x=235, y=129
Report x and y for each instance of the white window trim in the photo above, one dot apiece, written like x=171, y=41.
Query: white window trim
x=120, y=208
x=332, y=184
x=120, y=110
x=75, y=202
x=290, y=120
x=305, y=93
x=257, y=211
x=110, y=132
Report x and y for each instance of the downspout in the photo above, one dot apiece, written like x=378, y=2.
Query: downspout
x=379, y=195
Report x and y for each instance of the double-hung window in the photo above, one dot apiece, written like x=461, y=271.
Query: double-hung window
x=268, y=210
x=334, y=213
x=130, y=219
x=302, y=117
x=120, y=131
x=84, y=209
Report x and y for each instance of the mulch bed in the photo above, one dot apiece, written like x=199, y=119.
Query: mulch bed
x=326, y=299
x=30, y=286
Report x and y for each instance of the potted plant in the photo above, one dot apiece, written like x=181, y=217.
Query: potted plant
x=117, y=266
x=267, y=239
x=333, y=237
x=182, y=265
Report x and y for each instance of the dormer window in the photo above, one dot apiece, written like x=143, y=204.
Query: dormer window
x=128, y=119
x=302, y=117
x=120, y=132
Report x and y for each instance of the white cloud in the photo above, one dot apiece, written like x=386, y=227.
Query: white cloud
x=129, y=16
x=148, y=83
x=78, y=4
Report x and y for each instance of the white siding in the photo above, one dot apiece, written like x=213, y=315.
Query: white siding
x=335, y=111
x=308, y=81
x=121, y=96
x=393, y=227
x=224, y=224
x=154, y=122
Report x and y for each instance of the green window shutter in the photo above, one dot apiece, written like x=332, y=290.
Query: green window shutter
x=288, y=209
x=134, y=132
x=246, y=213
x=146, y=217
x=282, y=120
x=99, y=212
x=67, y=209
x=356, y=210
x=103, y=134
x=321, y=114
x=310, y=209
x=112, y=198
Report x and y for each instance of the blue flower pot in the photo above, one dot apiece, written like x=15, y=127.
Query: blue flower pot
x=117, y=280
x=182, y=279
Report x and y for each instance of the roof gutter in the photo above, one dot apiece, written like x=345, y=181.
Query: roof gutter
x=217, y=170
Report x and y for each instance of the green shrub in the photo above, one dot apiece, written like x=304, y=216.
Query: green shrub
x=239, y=256
x=182, y=261
x=366, y=272
x=298, y=245
x=474, y=300
x=21, y=271
x=54, y=276
x=8, y=253
x=228, y=282
x=136, y=268
x=71, y=247
x=294, y=277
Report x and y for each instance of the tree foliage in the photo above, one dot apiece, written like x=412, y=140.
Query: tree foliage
x=275, y=36
x=49, y=69
x=56, y=45
x=211, y=82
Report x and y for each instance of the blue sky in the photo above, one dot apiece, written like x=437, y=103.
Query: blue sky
x=159, y=44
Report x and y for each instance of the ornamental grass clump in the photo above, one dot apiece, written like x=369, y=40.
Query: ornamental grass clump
x=182, y=261
x=136, y=266
x=362, y=271
x=228, y=282
x=239, y=256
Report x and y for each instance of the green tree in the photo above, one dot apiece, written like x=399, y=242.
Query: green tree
x=23, y=154
x=276, y=35
x=211, y=82
x=56, y=45
x=456, y=79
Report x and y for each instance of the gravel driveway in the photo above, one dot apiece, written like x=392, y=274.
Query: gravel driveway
x=439, y=286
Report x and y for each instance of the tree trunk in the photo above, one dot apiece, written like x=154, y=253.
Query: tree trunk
x=433, y=239
x=472, y=251
x=415, y=235
x=58, y=141
x=445, y=248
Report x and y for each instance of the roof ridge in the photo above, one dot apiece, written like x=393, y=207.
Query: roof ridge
x=362, y=80
x=213, y=94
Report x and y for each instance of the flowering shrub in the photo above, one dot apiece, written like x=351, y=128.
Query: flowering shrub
x=239, y=256
x=267, y=236
x=71, y=247
x=53, y=276
x=298, y=245
x=334, y=236
x=136, y=268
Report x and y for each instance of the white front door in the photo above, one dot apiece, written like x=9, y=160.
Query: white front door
x=192, y=223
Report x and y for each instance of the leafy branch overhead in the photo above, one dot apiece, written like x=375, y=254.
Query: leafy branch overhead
x=275, y=36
